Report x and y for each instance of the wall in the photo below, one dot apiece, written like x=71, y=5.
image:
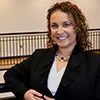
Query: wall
x=30, y=15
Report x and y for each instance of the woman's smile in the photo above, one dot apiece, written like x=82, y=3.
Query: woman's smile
x=61, y=38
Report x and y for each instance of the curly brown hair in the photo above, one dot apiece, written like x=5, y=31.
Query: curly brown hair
x=81, y=27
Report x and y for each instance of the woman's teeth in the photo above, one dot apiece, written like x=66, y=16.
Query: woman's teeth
x=62, y=38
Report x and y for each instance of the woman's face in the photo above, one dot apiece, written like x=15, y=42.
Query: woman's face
x=62, y=29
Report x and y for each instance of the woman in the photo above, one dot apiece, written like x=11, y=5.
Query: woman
x=66, y=70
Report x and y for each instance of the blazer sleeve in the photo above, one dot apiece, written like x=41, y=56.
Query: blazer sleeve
x=17, y=77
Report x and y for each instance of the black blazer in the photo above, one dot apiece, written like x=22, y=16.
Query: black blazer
x=81, y=79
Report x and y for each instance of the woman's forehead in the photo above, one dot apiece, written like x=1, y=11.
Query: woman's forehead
x=60, y=15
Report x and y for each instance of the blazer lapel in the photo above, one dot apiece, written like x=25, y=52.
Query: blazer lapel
x=71, y=72
x=44, y=68
x=76, y=61
x=47, y=61
x=72, y=69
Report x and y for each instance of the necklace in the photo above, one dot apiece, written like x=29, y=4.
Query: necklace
x=62, y=59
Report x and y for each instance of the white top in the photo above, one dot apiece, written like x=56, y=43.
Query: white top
x=54, y=78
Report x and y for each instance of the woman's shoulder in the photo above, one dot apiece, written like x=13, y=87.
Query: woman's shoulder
x=43, y=51
x=92, y=55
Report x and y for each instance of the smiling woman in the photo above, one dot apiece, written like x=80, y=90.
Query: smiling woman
x=66, y=70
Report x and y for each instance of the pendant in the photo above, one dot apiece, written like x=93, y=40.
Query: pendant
x=62, y=59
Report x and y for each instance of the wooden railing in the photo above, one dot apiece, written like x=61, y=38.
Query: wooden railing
x=15, y=47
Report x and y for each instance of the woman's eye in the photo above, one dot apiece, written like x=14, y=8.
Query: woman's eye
x=54, y=26
x=66, y=24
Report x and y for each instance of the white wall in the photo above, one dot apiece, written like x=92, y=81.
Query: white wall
x=30, y=15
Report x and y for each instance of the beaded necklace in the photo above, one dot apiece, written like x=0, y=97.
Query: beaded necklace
x=62, y=59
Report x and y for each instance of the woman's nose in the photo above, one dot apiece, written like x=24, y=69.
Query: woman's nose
x=59, y=30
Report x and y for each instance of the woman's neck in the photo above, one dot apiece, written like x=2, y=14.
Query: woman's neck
x=65, y=52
